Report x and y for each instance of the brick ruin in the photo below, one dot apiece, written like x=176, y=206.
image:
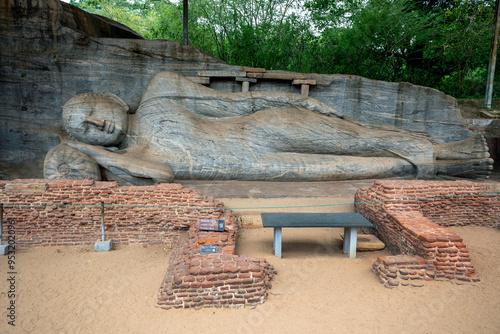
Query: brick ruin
x=68, y=213
x=411, y=218
x=222, y=279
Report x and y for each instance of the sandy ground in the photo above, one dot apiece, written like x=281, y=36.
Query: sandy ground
x=317, y=289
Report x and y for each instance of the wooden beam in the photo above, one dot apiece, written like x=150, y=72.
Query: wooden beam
x=252, y=80
x=276, y=76
x=304, y=82
x=252, y=69
x=221, y=74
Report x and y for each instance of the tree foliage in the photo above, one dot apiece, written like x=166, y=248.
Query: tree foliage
x=384, y=40
x=438, y=43
x=464, y=46
x=264, y=33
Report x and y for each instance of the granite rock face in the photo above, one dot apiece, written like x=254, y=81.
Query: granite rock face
x=52, y=51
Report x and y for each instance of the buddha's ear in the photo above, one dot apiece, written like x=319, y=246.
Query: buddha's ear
x=117, y=100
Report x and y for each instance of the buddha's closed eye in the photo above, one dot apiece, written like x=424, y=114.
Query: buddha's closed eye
x=101, y=124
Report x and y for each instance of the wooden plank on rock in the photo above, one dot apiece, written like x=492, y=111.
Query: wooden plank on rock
x=252, y=80
x=221, y=74
x=276, y=76
x=252, y=69
x=304, y=82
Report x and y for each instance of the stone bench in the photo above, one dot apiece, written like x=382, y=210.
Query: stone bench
x=349, y=221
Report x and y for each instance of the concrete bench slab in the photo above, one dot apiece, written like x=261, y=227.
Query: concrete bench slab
x=349, y=221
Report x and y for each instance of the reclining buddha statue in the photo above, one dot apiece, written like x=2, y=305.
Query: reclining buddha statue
x=184, y=130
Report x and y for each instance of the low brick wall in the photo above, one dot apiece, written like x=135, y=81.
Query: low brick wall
x=411, y=218
x=68, y=213
x=196, y=280
x=404, y=270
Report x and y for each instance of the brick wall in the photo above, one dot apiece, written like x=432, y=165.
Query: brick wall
x=410, y=221
x=196, y=280
x=68, y=212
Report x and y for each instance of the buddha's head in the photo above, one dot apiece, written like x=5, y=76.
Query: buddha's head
x=96, y=119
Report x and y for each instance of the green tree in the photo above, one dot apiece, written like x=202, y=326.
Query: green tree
x=261, y=33
x=378, y=41
x=152, y=19
x=438, y=43
x=327, y=14
x=461, y=50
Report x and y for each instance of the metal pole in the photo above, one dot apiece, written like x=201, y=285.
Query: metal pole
x=102, y=220
x=493, y=59
x=1, y=221
x=185, y=21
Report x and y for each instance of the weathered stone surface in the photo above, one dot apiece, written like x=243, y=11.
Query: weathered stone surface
x=402, y=105
x=52, y=51
x=489, y=127
x=200, y=80
x=202, y=133
x=26, y=188
x=64, y=162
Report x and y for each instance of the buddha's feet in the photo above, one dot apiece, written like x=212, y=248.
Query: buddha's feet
x=465, y=158
x=474, y=147
x=472, y=168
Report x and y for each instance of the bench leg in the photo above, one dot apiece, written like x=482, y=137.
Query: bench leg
x=277, y=242
x=350, y=240
x=347, y=235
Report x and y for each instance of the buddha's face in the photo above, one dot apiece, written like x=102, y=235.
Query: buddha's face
x=96, y=119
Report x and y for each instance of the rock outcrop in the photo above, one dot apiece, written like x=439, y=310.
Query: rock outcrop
x=52, y=51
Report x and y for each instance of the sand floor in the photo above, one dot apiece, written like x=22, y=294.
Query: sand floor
x=317, y=289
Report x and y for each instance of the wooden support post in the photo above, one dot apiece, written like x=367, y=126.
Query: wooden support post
x=245, y=86
x=304, y=90
x=305, y=83
x=245, y=83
